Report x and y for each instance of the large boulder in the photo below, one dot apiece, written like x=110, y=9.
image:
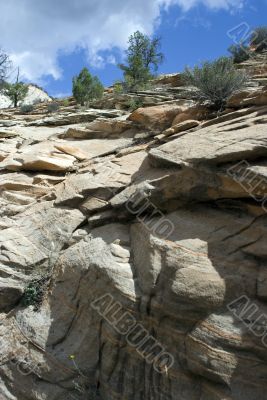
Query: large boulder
x=198, y=113
x=158, y=117
x=174, y=80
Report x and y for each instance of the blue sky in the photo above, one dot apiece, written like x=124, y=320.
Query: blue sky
x=53, y=40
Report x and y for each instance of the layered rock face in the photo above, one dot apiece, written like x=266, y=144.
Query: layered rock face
x=133, y=253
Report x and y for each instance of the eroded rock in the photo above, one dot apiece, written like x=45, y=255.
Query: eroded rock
x=157, y=117
x=173, y=235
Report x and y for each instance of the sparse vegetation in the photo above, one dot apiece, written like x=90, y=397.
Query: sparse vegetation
x=26, y=108
x=81, y=384
x=239, y=52
x=86, y=88
x=255, y=42
x=134, y=103
x=34, y=292
x=65, y=102
x=215, y=82
x=118, y=87
x=143, y=58
x=258, y=39
x=52, y=107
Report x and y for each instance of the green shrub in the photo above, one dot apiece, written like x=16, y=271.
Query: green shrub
x=215, y=82
x=258, y=38
x=134, y=103
x=52, y=107
x=240, y=52
x=118, y=87
x=26, y=108
x=86, y=88
x=34, y=292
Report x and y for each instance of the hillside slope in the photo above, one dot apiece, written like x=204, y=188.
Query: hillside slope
x=139, y=242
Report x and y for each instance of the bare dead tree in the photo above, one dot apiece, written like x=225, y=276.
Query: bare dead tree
x=5, y=66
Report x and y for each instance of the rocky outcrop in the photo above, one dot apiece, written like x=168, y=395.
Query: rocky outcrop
x=133, y=252
x=158, y=117
x=247, y=98
x=69, y=118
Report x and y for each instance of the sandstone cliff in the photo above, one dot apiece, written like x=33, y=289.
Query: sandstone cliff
x=133, y=249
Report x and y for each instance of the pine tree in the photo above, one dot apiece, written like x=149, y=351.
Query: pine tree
x=143, y=58
x=86, y=87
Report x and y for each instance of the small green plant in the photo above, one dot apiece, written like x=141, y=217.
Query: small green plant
x=118, y=87
x=86, y=88
x=258, y=39
x=26, y=108
x=240, y=52
x=65, y=103
x=52, y=107
x=134, y=103
x=215, y=82
x=34, y=292
x=81, y=384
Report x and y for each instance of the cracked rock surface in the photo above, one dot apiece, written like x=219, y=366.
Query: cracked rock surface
x=102, y=204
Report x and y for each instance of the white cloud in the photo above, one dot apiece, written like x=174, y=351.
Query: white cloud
x=212, y=4
x=35, y=31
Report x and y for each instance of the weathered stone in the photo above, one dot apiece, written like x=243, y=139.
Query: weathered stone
x=7, y=134
x=169, y=79
x=7, y=147
x=168, y=238
x=39, y=163
x=181, y=127
x=10, y=293
x=37, y=234
x=262, y=283
x=249, y=98
x=198, y=113
x=102, y=180
x=75, y=118
x=73, y=151
x=231, y=141
x=93, y=204
x=157, y=117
